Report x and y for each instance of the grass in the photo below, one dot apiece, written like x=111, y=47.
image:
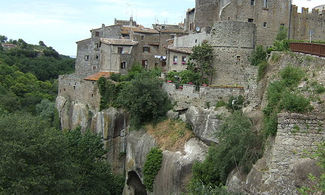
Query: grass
x=170, y=134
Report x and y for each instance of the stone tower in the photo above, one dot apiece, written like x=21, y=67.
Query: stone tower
x=206, y=13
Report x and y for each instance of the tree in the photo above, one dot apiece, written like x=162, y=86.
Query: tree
x=37, y=159
x=144, y=98
x=202, y=58
x=3, y=39
x=41, y=43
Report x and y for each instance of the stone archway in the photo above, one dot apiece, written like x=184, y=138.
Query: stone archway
x=134, y=182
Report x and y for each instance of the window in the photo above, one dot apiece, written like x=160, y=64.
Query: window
x=145, y=64
x=97, y=34
x=94, y=67
x=123, y=65
x=252, y=2
x=97, y=57
x=98, y=45
x=264, y=24
x=175, y=60
x=163, y=27
x=146, y=49
x=172, y=36
x=265, y=4
x=142, y=37
x=120, y=50
x=250, y=20
x=229, y=18
x=86, y=57
x=238, y=59
x=282, y=25
x=183, y=60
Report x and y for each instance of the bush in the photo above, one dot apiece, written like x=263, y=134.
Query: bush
x=220, y=104
x=295, y=103
x=291, y=76
x=144, y=99
x=238, y=147
x=151, y=167
x=258, y=56
x=262, y=67
x=235, y=103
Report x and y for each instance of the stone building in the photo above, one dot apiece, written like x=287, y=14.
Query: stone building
x=268, y=15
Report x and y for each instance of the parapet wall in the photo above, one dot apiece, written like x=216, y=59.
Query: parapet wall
x=304, y=22
x=75, y=88
x=190, y=95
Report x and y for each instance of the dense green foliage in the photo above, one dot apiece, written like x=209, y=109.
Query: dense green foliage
x=281, y=95
x=140, y=93
x=151, y=167
x=258, y=55
x=262, y=68
x=186, y=77
x=235, y=103
x=38, y=159
x=238, y=147
x=27, y=75
x=281, y=42
x=201, y=61
x=42, y=61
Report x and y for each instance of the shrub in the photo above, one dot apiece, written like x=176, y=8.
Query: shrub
x=238, y=146
x=220, y=103
x=295, y=103
x=258, y=56
x=144, y=99
x=235, y=103
x=291, y=76
x=262, y=67
x=151, y=167
x=318, y=87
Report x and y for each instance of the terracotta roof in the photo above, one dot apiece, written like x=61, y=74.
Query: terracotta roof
x=140, y=29
x=186, y=50
x=128, y=42
x=98, y=75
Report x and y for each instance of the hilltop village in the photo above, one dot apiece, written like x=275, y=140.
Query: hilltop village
x=234, y=29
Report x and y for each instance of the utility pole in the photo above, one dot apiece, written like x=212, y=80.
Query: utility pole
x=310, y=35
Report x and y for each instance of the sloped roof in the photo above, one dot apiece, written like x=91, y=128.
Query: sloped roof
x=127, y=42
x=98, y=75
x=140, y=29
x=186, y=50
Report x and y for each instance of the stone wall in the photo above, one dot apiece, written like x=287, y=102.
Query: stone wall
x=303, y=22
x=285, y=167
x=206, y=13
x=75, y=88
x=189, y=96
x=191, y=40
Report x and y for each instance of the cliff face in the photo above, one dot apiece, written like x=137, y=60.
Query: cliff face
x=110, y=124
x=283, y=168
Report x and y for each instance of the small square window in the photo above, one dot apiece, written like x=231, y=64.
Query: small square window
x=142, y=37
x=250, y=20
x=252, y=2
x=86, y=57
x=97, y=34
x=146, y=49
x=97, y=57
x=264, y=24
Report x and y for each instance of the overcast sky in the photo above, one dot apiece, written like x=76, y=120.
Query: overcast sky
x=60, y=23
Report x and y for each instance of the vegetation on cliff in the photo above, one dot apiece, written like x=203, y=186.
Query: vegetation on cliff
x=239, y=147
x=151, y=167
x=281, y=95
x=140, y=94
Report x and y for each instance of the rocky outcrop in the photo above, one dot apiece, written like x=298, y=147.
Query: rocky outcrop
x=205, y=122
x=110, y=124
x=175, y=170
x=285, y=166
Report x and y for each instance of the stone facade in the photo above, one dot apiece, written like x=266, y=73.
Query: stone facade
x=268, y=15
x=304, y=22
x=190, y=96
x=286, y=166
